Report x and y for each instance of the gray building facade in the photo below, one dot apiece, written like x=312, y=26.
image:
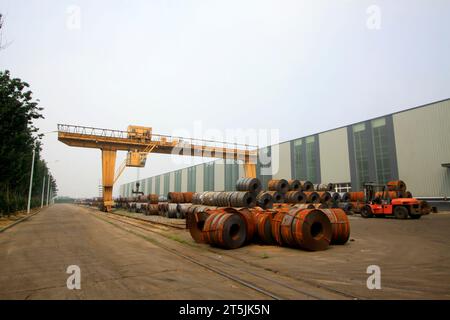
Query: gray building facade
x=412, y=145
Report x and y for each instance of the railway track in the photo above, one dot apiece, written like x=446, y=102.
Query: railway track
x=273, y=286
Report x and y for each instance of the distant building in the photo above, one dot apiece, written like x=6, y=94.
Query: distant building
x=412, y=145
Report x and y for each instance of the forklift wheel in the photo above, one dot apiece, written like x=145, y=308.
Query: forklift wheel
x=366, y=212
x=401, y=212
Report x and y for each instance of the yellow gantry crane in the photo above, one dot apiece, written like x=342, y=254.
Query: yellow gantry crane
x=139, y=141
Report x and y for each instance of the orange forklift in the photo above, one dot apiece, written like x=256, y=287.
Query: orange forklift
x=380, y=204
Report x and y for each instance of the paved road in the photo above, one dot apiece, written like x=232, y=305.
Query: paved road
x=115, y=264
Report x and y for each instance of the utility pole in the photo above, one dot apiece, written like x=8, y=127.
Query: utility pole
x=31, y=181
x=43, y=191
x=48, y=187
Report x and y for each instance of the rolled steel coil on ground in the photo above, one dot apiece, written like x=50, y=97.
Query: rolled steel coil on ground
x=312, y=197
x=187, y=197
x=345, y=196
x=280, y=185
x=425, y=208
x=295, y=197
x=346, y=206
x=324, y=196
x=336, y=197
x=294, y=185
x=247, y=215
x=197, y=198
x=356, y=196
x=264, y=200
x=172, y=210
x=408, y=194
x=340, y=225
x=323, y=205
x=153, y=198
x=175, y=197
x=195, y=220
x=162, y=208
x=225, y=230
x=152, y=209
x=283, y=206
x=309, y=229
x=209, y=198
x=223, y=199
x=396, y=185
x=306, y=185
x=277, y=197
x=242, y=199
x=357, y=206
x=182, y=210
x=305, y=206
x=249, y=184
x=263, y=224
x=324, y=187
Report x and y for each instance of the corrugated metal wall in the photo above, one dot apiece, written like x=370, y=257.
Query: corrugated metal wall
x=422, y=145
x=422, y=139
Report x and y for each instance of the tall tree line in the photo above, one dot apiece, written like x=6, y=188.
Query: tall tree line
x=18, y=138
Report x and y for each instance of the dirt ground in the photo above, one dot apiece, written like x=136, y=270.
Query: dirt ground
x=119, y=261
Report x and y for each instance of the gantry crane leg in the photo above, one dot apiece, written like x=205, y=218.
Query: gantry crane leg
x=108, y=166
x=250, y=169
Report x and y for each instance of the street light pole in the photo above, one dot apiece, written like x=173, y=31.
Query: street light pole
x=43, y=191
x=31, y=182
x=48, y=187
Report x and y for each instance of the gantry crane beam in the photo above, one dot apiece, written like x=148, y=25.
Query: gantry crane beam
x=111, y=141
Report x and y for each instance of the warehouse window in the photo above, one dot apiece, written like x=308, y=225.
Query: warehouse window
x=157, y=185
x=381, y=150
x=299, y=169
x=263, y=166
x=311, y=161
x=208, y=176
x=231, y=174
x=166, y=183
x=191, y=175
x=361, y=154
x=177, y=187
x=150, y=184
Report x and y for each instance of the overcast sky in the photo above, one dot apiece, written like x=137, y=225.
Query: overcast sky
x=297, y=66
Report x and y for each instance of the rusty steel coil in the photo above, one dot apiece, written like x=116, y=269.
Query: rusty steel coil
x=305, y=206
x=283, y=206
x=324, y=187
x=263, y=224
x=276, y=227
x=152, y=209
x=175, y=197
x=323, y=205
x=280, y=185
x=264, y=200
x=346, y=206
x=425, y=207
x=225, y=230
x=389, y=194
x=277, y=197
x=396, y=185
x=223, y=199
x=408, y=194
x=187, y=197
x=209, y=198
x=356, y=196
x=357, y=206
x=195, y=220
x=162, y=208
x=153, y=198
x=312, y=196
x=295, y=197
x=249, y=184
x=311, y=229
x=340, y=225
x=345, y=196
x=324, y=196
x=336, y=197
x=197, y=198
x=294, y=185
x=247, y=216
x=306, y=185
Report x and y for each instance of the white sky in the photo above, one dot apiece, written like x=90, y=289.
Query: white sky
x=297, y=66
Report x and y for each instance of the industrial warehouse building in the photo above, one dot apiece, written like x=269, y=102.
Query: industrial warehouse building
x=412, y=145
